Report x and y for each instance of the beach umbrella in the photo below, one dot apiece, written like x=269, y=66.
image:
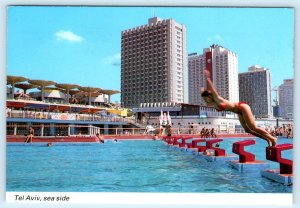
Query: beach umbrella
x=12, y=80
x=67, y=88
x=90, y=90
x=25, y=86
x=93, y=94
x=109, y=93
x=42, y=84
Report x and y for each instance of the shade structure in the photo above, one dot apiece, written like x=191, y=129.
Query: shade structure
x=90, y=110
x=74, y=92
x=54, y=92
x=25, y=86
x=109, y=93
x=67, y=88
x=82, y=94
x=42, y=84
x=93, y=94
x=12, y=80
x=59, y=107
x=15, y=104
x=51, y=88
x=90, y=90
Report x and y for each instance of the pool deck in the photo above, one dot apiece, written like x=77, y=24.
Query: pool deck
x=92, y=138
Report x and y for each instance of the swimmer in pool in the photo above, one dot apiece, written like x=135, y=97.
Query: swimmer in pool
x=101, y=140
x=155, y=137
x=243, y=110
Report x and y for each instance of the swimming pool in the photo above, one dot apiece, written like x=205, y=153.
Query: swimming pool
x=130, y=166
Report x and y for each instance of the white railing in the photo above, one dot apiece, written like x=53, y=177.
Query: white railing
x=50, y=115
x=71, y=129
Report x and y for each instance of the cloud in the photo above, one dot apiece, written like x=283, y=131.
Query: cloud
x=216, y=38
x=64, y=35
x=114, y=60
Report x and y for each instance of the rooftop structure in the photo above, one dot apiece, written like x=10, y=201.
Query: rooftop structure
x=63, y=93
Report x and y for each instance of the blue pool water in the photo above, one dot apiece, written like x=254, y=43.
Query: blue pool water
x=130, y=166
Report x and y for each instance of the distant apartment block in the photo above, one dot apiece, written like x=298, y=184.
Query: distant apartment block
x=255, y=89
x=153, y=63
x=286, y=98
x=195, y=77
x=223, y=66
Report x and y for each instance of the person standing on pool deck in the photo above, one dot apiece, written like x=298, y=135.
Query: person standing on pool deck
x=212, y=98
x=30, y=135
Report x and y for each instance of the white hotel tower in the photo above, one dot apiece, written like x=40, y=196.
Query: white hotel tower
x=153, y=63
x=223, y=66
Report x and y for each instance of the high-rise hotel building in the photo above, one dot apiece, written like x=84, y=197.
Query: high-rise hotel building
x=286, y=98
x=196, y=65
x=153, y=63
x=223, y=66
x=255, y=88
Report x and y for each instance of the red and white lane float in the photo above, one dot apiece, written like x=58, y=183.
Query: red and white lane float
x=246, y=162
x=214, y=153
x=283, y=175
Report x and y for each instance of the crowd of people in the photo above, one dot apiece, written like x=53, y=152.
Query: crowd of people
x=286, y=130
x=208, y=133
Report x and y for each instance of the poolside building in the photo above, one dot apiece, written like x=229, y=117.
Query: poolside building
x=255, y=89
x=62, y=109
x=189, y=117
x=153, y=63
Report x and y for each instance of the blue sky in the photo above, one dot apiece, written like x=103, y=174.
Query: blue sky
x=82, y=45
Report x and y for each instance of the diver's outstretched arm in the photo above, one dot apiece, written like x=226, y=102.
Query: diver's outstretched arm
x=210, y=85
